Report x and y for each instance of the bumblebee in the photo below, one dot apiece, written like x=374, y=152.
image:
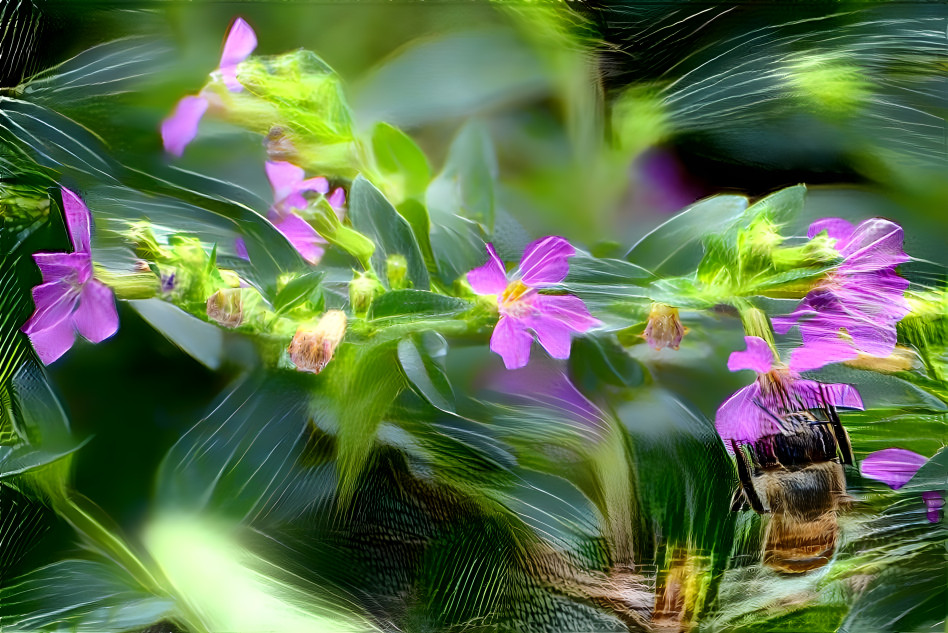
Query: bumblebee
x=797, y=479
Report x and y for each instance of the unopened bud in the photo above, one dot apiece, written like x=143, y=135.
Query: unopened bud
x=363, y=289
x=664, y=328
x=396, y=271
x=312, y=348
x=279, y=146
x=225, y=307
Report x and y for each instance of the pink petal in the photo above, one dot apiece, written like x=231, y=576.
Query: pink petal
x=553, y=334
x=892, y=466
x=75, y=267
x=54, y=301
x=295, y=199
x=301, y=235
x=814, y=395
x=742, y=419
x=489, y=279
x=836, y=228
x=758, y=356
x=337, y=198
x=240, y=247
x=181, y=127
x=240, y=42
x=568, y=309
x=284, y=178
x=96, y=317
x=512, y=341
x=817, y=354
x=935, y=502
x=875, y=244
x=544, y=261
x=78, y=220
x=52, y=342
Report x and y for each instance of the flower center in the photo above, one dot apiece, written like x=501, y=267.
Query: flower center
x=517, y=299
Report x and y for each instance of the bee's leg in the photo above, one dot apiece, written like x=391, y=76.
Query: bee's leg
x=744, y=475
x=842, y=437
x=738, y=500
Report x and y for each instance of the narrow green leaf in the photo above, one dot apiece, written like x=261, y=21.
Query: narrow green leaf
x=401, y=159
x=674, y=248
x=416, y=304
x=417, y=357
x=374, y=216
x=297, y=291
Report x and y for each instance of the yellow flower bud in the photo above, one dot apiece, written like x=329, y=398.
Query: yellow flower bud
x=664, y=328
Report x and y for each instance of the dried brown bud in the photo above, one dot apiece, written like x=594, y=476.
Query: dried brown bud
x=278, y=145
x=226, y=307
x=312, y=348
x=664, y=328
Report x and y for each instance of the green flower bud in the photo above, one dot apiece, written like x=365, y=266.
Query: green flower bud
x=396, y=271
x=363, y=289
x=143, y=283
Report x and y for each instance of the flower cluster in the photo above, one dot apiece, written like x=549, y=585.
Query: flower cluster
x=70, y=299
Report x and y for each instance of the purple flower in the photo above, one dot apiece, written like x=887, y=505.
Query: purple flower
x=768, y=405
x=289, y=185
x=895, y=467
x=522, y=308
x=69, y=299
x=181, y=127
x=863, y=297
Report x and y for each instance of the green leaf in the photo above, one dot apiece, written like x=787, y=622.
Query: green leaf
x=780, y=206
x=199, y=339
x=241, y=459
x=417, y=216
x=401, y=160
x=82, y=595
x=416, y=304
x=418, y=356
x=374, y=216
x=297, y=291
x=466, y=184
x=452, y=76
x=674, y=248
x=596, y=359
x=933, y=475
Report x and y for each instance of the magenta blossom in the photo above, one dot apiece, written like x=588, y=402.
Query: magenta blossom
x=552, y=318
x=70, y=299
x=289, y=185
x=771, y=404
x=856, y=307
x=181, y=127
x=895, y=467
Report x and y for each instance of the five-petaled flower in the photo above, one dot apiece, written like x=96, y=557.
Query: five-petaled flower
x=895, y=467
x=70, y=299
x=181, y=127
x=522, y=308
x=768, y=405
x=289, y=185
x=863, y=296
